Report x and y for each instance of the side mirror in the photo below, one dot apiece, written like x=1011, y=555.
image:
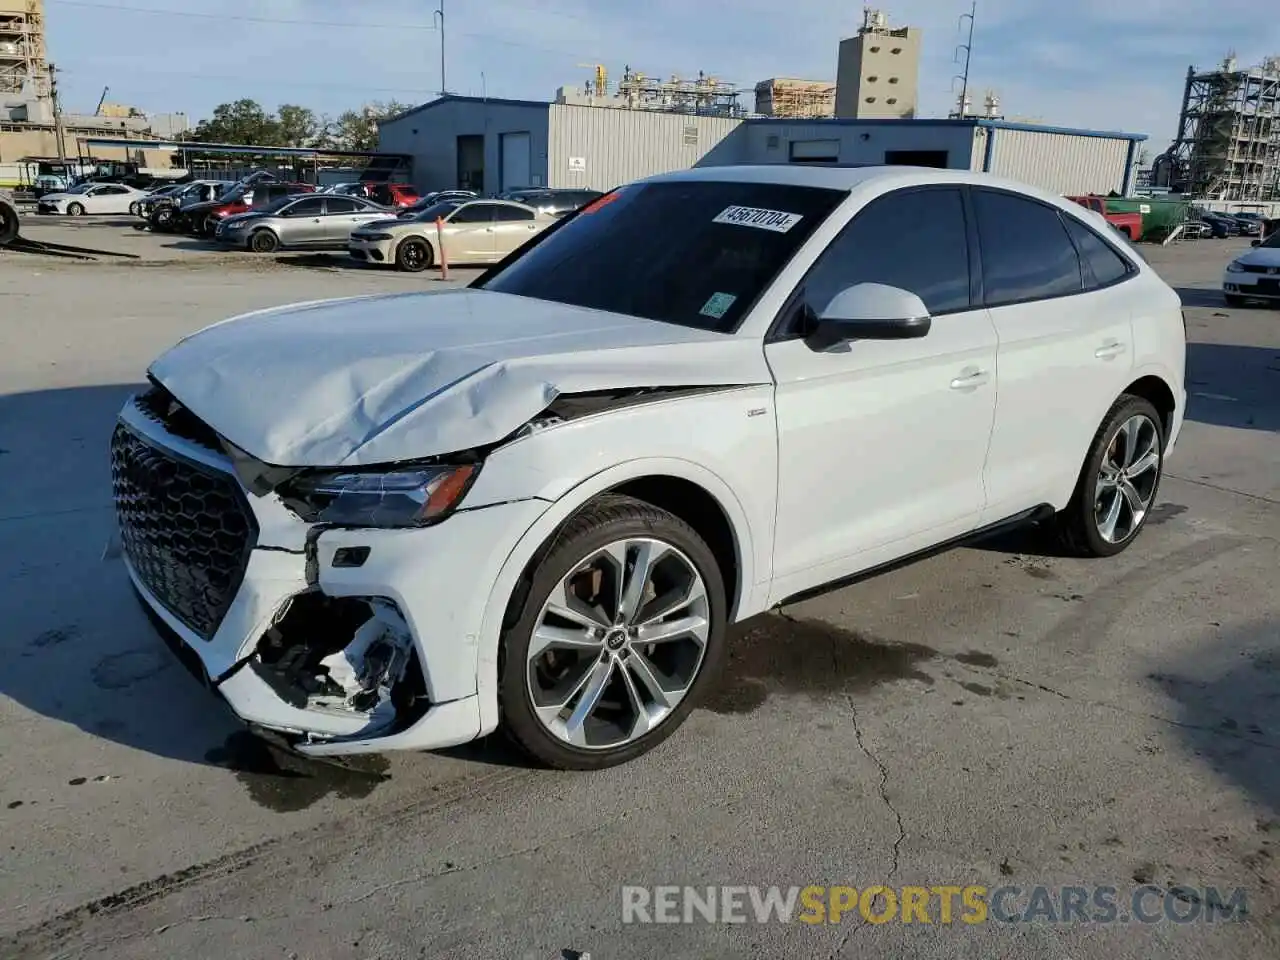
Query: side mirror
x=870, y=311
x=1256, y=243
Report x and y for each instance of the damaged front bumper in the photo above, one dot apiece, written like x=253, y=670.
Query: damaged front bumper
x=343, y=640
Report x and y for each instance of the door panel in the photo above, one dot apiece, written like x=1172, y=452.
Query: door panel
x=511, y=229
x=1065, y=353
x=516, y=160
x=876, y=446
x=882, y=443
x=469, y=235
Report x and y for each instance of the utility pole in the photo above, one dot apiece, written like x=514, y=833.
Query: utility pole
x=967, y=47
x=440, y=13
x=57, y=115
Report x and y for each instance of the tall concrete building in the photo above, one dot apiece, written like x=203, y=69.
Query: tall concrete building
x=22, y=49
x=878, y=71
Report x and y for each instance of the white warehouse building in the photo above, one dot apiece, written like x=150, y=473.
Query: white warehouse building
x=492, y=145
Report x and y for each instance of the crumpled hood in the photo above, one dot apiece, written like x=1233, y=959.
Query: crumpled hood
x=382, y=378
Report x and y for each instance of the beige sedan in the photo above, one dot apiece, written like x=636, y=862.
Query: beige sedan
x=477, y=231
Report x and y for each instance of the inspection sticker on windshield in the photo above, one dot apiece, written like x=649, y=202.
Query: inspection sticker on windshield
x=776, y=220
x=717, y=305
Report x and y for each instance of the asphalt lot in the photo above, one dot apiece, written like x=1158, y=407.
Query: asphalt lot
x=995, y=715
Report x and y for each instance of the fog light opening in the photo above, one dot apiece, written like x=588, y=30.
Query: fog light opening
x=345, y=655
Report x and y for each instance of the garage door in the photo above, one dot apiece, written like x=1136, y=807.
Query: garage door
x=515, y=160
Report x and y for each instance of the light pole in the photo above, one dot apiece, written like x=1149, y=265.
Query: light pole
x=440, y=13
x=968, y=53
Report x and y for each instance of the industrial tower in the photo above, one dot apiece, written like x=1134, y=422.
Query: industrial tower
x=1228, y=141
x=878, y=71
x=22, y=49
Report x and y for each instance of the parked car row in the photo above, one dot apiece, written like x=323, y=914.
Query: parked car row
x=386, y=224
x=1215, y=224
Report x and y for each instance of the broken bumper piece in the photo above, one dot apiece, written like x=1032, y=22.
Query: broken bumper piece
x=343, y=640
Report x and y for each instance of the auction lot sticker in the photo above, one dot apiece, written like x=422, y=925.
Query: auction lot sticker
x=776, y=220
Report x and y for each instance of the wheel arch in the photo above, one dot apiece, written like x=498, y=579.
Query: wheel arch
x=688, y=490
x=256, y=231
x=1158, y=392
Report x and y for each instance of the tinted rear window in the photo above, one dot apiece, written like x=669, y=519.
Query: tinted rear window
x=696, y=253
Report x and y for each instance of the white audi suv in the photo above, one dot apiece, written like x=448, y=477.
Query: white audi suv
x=404, y=521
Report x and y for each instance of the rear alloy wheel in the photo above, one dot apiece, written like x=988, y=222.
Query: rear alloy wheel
x=264, y=241
x=75, y=210
x=1118, y=483
x=414, y=255
x=135, y=209
x=621, y=631
x=210, y=225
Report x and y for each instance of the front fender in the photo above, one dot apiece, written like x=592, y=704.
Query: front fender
x=565, y=507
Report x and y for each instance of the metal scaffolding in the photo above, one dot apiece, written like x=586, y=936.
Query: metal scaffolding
x=786, y=97
x=22, y=48
x=1228, y=141
x=705, y=96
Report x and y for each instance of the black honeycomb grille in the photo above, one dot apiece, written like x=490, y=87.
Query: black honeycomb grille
x=186, y=530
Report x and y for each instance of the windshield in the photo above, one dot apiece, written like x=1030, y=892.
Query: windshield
x=79, y=188
x=696, y=253
x=1272, y=241
x=441, y=209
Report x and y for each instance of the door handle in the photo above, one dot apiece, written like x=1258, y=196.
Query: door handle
x=1109, y=350
x=969, y=379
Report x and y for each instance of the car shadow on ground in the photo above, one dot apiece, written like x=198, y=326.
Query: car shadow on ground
x=192, y=243
x=1200, y=297
x=324, y=260
x=1228, y=711
x=77, y=645
x=1232, y=385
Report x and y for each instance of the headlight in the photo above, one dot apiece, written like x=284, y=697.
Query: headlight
x=415, y=497
x=1235, y=267
x=372, y=236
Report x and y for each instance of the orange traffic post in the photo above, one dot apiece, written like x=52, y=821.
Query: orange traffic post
x=444, y=258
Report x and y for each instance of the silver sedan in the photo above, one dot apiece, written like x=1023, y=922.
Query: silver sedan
x=311, y=221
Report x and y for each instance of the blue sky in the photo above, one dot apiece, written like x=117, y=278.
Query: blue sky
x=1106, y=64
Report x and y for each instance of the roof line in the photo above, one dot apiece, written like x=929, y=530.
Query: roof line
x=199, y=146
x=458, y=98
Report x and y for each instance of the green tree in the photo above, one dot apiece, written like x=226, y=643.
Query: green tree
x=244, y=121
x=358, y=129
x=298, y=126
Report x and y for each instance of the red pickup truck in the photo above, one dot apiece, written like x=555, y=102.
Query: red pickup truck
x=1130, y=224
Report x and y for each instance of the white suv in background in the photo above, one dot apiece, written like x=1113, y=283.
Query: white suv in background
x=402, y=521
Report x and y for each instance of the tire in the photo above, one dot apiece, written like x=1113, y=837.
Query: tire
x=264, y=241
x=135, y=209
x=8, y=223
x=414, y=255
x=611, y=520
x=209, y=226
x=1080, y=527
x=164, y=219
x=75, y=210
x=1234, y=299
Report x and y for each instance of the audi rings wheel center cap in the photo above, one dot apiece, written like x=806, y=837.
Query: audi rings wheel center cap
x=615, y=639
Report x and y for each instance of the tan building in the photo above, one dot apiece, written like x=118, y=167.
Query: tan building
x=878, y=71
x=788, y=97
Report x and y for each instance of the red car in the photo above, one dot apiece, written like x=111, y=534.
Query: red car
x=203, y=218
x=393, y=194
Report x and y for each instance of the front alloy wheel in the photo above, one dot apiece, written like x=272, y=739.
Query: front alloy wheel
x=621, y=629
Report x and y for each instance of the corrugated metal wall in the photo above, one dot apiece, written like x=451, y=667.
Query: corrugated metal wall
x=859, y=143
x=599, y=148
x=1064, y=163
